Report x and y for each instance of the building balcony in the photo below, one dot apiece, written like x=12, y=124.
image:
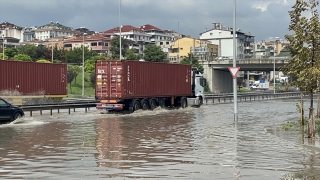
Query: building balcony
x=249, y=47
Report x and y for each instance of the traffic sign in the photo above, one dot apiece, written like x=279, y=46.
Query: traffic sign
x=234, y=71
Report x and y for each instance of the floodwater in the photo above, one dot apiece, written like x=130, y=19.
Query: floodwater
x=191, y=143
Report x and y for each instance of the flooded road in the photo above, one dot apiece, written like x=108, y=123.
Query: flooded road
x=192, y=143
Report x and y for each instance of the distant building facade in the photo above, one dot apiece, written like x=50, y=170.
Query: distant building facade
x=52, y=30
x=223, y=37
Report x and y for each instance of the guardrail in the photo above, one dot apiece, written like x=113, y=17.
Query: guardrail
x=51, y=107
x=249, y=96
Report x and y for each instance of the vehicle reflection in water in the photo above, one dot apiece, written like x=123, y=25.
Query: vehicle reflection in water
x=144, y=145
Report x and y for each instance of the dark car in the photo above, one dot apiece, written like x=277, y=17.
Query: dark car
x=9, y=112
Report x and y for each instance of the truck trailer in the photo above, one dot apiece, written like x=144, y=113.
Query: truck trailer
x=133, y=85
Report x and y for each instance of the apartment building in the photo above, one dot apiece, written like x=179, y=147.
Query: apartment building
x=10, y=30
x=97, y=42
x=202, y=49
x=53, y=29
x=139, y=37
x=223, y=37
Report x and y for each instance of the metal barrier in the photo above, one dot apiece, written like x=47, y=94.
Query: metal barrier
x=69, y=106
x=249, y=97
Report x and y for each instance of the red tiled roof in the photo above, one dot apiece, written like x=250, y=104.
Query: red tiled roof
x=125, y=28
x=148, y=27
x=95, y=37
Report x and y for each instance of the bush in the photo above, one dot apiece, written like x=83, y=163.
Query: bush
x=43, y=61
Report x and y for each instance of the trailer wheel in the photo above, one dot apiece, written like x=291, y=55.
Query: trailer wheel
x=184, y=103
x=145, y=104
x=162, y=103
x=200, y=100
x=153, y=104
x=136, y=105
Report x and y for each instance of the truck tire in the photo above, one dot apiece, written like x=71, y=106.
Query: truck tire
x=136, y=105
x=145, y=104
x=162, y=103
x=184, y=103
x=153, y=104
x=200, y=101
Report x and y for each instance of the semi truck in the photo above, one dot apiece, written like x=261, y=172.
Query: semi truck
x=133, y=85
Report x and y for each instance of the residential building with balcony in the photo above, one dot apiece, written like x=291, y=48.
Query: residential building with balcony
x=96, y=42
x=223, y=37
x=10, y=30
x=52, y=30
x=28, y=34
x=268, y=48
x=180, y=49
x=165, y=46
x=9, y=42
x=156, y=33
x=136, y=38
x=205, y=52
x=146, y=34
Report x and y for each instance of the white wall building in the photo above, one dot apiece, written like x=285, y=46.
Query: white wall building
x=52, y=30
x=223, y=37
x=11, y=31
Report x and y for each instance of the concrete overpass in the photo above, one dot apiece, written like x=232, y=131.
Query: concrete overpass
x=220, y=79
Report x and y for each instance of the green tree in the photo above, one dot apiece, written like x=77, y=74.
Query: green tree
x=304, y=46
x=71, y=75
x=40, y=52
x=131, y=55
x=191, y=59
x=74, y=55
x=5, y=56
x=154, y=53
x=10, y=52
x=114, y=47
x=75, y=70
x=28, y=49
x=22, y=57
x=89, y=64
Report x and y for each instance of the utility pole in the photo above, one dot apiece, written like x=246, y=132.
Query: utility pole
x=120, y=29
x=235, y=96
x=178, y=42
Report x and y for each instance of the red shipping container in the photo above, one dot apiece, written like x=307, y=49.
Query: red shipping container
x=137, y=79
x=30, y=77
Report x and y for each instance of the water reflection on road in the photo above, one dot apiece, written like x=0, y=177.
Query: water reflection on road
x=193, y=143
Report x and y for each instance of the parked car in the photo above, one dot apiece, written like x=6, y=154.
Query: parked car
x=8, y=112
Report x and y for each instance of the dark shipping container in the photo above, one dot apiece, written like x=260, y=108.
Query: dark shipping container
x=136, y=79
x=30, y=77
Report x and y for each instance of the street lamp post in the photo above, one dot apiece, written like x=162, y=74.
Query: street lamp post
x=83, y=63
x=52, y=53
x=274, y=65
x=120, y=46
x=2, y=46
x=235, y=96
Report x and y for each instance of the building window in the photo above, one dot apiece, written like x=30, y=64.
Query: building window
x=67, y=45
x=167, y=43
x=161, y=43
x=94, y=44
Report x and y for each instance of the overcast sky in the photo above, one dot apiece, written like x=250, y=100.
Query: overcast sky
x=262, y=18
